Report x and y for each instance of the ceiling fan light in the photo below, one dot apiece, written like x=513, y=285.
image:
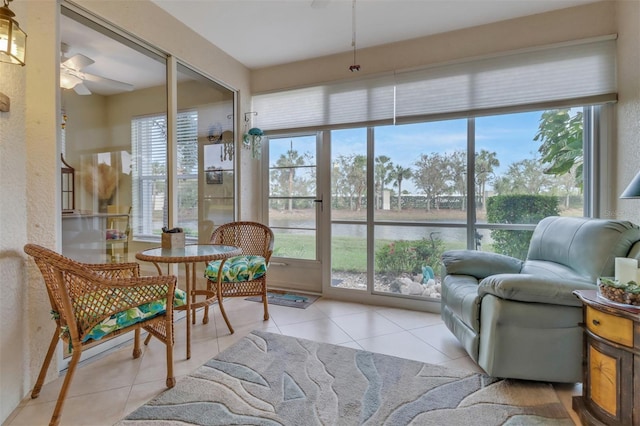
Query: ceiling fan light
x=13, y=41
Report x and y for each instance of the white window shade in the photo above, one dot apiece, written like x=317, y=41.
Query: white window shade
x=362, y=101
x=581, y=72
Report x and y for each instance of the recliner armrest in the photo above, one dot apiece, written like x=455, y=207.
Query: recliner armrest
x=531, y=288
x=479, y=264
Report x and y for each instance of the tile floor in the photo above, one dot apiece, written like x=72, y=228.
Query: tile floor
x=107, y=388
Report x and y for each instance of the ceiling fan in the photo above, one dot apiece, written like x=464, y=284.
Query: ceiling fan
x=72, y=76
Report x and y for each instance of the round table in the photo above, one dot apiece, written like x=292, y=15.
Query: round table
x=190, y=255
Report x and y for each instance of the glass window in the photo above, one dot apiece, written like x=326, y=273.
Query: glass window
x=420, y=172
x=292, y=195
x=527, y=166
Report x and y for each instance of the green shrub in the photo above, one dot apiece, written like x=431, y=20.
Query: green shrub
x=409, y=256
x=517, y=209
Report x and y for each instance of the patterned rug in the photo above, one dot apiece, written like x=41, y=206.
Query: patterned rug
x=270, y=379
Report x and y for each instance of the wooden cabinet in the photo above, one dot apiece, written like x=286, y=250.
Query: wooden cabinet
x=611, y=363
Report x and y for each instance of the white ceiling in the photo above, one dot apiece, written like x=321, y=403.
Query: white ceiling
x=261, y=33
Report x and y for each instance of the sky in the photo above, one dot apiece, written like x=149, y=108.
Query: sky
x=510, y=136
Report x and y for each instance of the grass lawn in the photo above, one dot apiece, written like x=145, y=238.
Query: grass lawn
x=349, y=254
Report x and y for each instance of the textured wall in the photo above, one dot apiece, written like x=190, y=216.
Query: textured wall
x=13, y=210
x=29, y=213
x=628, y=108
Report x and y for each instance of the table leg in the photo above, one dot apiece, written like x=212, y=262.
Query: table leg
x=187, y=267
x=193, y=280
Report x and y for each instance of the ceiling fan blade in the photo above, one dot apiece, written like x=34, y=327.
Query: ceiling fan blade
x=81, y=89
x=77, y=62
x=114, y=84
x=68, y=81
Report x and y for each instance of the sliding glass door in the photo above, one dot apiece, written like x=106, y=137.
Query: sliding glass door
x=294, y=207
x=349, y=201
x=402, y=195
x=128, y=155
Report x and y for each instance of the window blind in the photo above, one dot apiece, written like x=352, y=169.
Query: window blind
x=187, y=142
x=581, y=72
x=149, y=171
x=149, y=166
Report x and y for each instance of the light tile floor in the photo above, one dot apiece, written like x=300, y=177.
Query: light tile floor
x=107, y=388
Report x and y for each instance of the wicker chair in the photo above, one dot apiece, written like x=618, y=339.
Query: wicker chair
x=84, y=296
x=244, y=275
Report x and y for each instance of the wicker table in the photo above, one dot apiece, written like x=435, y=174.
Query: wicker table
x=190, y=255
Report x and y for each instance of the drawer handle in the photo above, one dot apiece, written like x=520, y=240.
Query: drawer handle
x=595, y=322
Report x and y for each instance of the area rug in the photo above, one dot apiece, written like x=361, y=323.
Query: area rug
x=270, y=379
x=282, y=298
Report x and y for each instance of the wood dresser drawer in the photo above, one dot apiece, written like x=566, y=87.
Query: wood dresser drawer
x=611, y=363
x=610, y=327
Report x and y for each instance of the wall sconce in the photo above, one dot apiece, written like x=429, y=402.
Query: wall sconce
x=252, y=137
x=13, y=41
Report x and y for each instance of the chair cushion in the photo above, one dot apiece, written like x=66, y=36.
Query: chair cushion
x=237, y=269
x=134, y=315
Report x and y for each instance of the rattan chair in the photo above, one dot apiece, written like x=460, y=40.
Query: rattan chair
x=256, y=242
x=84, y=296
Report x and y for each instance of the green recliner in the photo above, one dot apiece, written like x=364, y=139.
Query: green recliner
x=519, y=319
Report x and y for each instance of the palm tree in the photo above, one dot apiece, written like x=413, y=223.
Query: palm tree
x=382, y=171
x=285, y=176
x=485, y=163
x=398, y=174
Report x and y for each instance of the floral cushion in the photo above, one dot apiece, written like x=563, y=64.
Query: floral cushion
x=238, y=268
x=134, y=315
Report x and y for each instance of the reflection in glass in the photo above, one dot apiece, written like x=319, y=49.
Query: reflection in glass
x=113, y=126
x=205, y=162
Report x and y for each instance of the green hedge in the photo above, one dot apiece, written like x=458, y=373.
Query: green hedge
x=517, y=209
